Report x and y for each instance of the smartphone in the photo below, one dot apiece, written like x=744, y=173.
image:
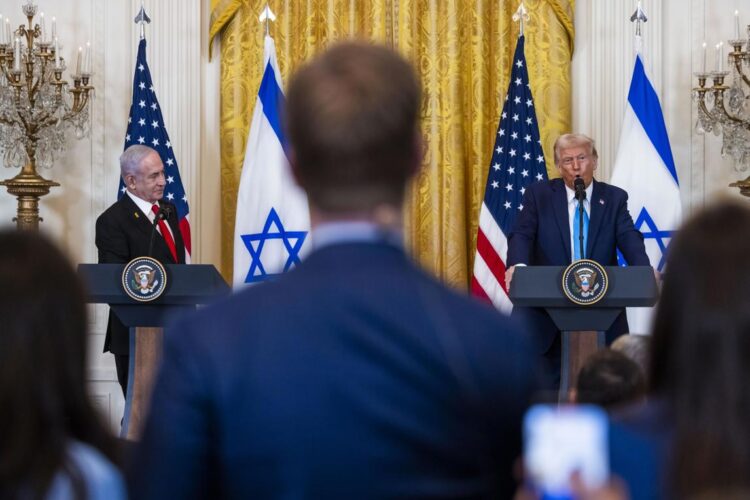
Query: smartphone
x=562, y=440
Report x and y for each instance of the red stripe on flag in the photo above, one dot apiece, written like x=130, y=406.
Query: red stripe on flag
x=478, y=291
x=185, y=231
x=491, y=258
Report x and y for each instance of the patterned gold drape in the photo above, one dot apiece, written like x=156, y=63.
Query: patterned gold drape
x=462, y=52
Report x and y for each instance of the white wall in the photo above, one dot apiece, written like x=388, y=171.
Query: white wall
x=187, y=88
x=672, y=38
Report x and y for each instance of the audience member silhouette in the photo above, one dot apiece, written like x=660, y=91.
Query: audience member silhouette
x=636, y=347
x=693, y=437
x=609, y=379
x=52, y=444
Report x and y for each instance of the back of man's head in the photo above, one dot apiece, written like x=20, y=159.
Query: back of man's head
x=610, y=379
x=636, y=347
x=352, y=121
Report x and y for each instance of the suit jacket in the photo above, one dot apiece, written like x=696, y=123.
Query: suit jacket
x=640, y=440
x=353, y=376
x=541, y=237
x=123, y=233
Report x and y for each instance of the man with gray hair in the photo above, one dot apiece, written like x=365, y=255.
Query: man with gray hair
x=124, y=231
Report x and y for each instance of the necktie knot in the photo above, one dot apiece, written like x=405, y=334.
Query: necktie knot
x=155, y=208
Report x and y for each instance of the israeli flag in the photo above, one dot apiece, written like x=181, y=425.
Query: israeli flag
x=273, y=220
x=645, y=169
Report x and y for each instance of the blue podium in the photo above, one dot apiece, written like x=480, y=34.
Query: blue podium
x=187, y=286
x=582, y=327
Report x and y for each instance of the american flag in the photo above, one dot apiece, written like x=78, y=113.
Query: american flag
x=517, y=161
x=146, y=127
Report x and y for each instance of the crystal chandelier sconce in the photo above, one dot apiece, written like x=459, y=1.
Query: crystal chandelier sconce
x=723, y=107
x=38, y=107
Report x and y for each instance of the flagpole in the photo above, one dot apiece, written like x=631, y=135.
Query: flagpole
x=142, y=19
x=266, y=16
x=521, y=16
x=638, y=17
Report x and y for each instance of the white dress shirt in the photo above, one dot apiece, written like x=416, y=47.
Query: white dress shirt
x=331, y=233
x=145, y=207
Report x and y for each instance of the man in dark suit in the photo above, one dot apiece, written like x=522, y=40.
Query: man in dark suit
x=129, y=229
x=545, y=233
x=355, y=375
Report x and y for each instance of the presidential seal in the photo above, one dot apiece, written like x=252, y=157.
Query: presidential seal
x=144, y=279
x=585, y=282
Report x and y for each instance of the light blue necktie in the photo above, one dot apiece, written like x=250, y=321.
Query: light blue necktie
x=576, y=233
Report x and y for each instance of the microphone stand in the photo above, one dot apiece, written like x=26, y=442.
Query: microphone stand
x=157, y=216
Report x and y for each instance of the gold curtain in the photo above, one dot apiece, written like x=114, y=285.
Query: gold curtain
x=462, y=52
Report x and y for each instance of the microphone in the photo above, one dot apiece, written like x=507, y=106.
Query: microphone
x=162, y=214
x=580, y=188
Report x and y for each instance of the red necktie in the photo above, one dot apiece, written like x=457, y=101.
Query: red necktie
x=165, y=232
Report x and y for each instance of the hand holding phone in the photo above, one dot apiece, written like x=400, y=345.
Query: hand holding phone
x=563, y=441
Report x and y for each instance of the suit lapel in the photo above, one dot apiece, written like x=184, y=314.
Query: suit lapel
x=135, y=215
x=597, y=208
x=560, y=208
x=139, y=220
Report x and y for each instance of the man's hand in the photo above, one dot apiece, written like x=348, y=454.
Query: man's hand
x=509, y=277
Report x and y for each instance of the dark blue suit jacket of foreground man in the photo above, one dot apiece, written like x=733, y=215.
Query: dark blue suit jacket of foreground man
x=354, y=376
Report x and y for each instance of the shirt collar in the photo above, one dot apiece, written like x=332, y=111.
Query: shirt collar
x=572, y=194
x=331, y=233
x=144, y=205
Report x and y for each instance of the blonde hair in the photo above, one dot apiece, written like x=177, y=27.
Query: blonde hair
x=566, y=141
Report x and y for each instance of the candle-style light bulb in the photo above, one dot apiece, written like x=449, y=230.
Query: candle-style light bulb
x=57, y=54
x=17, y=56
x=78, y=61
x=87, y=59
x=54, y=28
x=8, y=37
x=720, y=56
x=703, y=67
x=42, y=28
x=736, y=24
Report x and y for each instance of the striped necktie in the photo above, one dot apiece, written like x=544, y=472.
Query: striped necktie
x=166, y=234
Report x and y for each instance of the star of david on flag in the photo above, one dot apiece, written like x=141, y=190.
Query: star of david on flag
x=517, y=161
x=146, y=127
x=645, y=168
x=272, y=230
x=273, y=220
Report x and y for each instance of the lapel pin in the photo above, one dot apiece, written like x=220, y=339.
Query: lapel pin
x=136, y=214
x=601, y=201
